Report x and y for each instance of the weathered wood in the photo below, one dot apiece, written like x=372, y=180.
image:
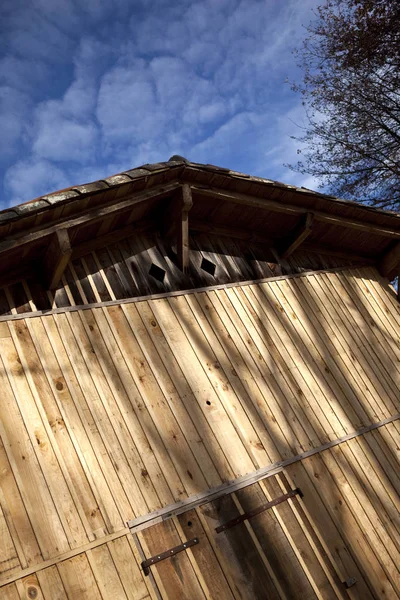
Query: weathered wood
x=231, y=232
x=110, y=238
x=300, y=234
x=15, y=316
x=136, y=406
x=176, y=509
x=390, y=263
x=37, y=568
x=182, y=227
x=275, y=206
x=90, y=216
x=57, y=256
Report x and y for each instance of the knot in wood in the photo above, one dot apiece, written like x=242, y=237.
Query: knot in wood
x=32, y=592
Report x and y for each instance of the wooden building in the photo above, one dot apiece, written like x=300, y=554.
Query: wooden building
x=199, y=392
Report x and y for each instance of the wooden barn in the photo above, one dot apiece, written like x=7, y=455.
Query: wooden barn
x=199, y=392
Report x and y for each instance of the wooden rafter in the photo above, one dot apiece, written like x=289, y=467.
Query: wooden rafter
x=300, y=234
x=111, y=238
x=260, y=240
x=390, y=263
x=182, y=228
x=231, y=232
x=275, y=206
x=56, y=258
x=87, y=217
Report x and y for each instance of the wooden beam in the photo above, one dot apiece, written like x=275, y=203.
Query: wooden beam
x=225, y=489
x=90, y=216
x=182, y=228
x=57, y=256
x=231, y=232
x=275, y=206
x=111, y=238
x=329, y=251
x=390, y=263
x=300, y=234
x=259, y=239
x=133, y=300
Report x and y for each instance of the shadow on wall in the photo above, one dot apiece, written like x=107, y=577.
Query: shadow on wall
x=128, y=408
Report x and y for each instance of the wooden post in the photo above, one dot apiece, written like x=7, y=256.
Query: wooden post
x=56, y=258
x=182, y=228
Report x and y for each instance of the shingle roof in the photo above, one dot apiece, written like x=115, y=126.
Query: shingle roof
x=76, y=192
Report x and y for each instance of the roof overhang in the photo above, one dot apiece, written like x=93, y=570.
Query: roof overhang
x=223, y=202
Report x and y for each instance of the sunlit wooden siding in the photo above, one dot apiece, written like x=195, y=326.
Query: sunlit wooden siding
x=110, y=413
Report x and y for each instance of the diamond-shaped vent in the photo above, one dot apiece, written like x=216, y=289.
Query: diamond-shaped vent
x=208, y=266
x=157, y=272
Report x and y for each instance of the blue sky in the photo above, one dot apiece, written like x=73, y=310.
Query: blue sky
x=88, y=89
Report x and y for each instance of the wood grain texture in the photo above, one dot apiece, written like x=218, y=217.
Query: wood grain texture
x=117, y=267
x=116, y=411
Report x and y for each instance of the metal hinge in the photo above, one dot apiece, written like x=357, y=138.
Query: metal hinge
x=258, y=510
x=146, y=564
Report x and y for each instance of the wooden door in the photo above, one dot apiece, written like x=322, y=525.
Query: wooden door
x=274, y=554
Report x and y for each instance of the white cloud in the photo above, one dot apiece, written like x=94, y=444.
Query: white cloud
x=135, y=84
x=30, y=178
x=13, y=105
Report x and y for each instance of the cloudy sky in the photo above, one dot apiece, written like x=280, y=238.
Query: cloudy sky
x=91, y=88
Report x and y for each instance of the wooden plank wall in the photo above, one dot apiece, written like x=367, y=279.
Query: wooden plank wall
x=121, y=270
x=110, y=413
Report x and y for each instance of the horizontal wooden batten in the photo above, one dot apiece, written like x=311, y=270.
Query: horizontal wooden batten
x=89, y=306
x=171, y=511
x=179, y=508
x=65, y=556
x=275, y=206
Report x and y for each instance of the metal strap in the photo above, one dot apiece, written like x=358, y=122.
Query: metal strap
x=258, y=510
x=146, y=564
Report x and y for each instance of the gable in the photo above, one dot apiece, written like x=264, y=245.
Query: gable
x=182, y=225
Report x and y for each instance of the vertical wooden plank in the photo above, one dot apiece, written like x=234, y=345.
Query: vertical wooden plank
x=105, y=573
x=235, y=452
x=9, y=592
x=78, y=527
x=243, y=563
x=16, y=516
x=96, y=423
x=208, y=353
x=176, y=573
x=83, y=431
x=49, y=384
x=55, y=483
x=51, y=585
x=171, y=376
x=128, y=570
x=26, y=469
x=204, y=560
x=325, y=528
x=78, y=579
x=9, y=561
x=29, y=588
x=134, y=438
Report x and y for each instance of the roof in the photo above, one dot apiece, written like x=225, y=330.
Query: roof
x=223, y=199
x=176, y=166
